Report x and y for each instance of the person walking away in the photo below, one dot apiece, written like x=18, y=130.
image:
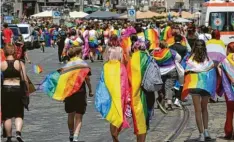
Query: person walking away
x=166, y=58
x=11, y=100
x=191, y=36
x=178, y=47
x=35, y=35
x=93, y=42
x=113, y=86
x=75, y=105
x=7, y=34
x=86, y=43
x=42, y=41
x=61, y=43
x=204, y=35
x=201, y=72
x=55, y=34
x=226, y=70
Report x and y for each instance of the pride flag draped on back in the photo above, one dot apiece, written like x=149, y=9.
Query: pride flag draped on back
x=136, y=70
x=228, y=76
x=166, y=34
x=199, y=77
x=65, y=81
x=112, y=93
x=216, y=50
x=152, y=36
x=126, y=44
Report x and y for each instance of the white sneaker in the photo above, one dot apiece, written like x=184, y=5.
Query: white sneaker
x=177, y=103
x=207, y=136
x=201, y=138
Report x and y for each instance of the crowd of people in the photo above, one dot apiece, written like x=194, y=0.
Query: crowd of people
x=184, y=60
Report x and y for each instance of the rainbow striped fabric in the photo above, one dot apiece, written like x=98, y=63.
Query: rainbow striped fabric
x=136, y=69
x=163, y=57
x=66, y=81
x=170, y=41
x=152, y=36
x=116, y=32
x=216, y=50
x=112, y=93
x=37, y=69
x=227, y=76
x=126, y=44
x=197, y=82
x=166, y=34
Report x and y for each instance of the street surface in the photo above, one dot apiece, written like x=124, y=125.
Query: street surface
x=47, y=121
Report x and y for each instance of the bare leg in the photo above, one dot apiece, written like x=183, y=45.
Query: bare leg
x=204, y=110
x=198, y=116
x=19, y=124
x=70, y=122
x=141, y=138
x=8, y=127
x=114, y=133
x=78, y=124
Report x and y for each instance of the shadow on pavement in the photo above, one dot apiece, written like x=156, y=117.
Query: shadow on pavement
x=222, y=138
x=195, y=140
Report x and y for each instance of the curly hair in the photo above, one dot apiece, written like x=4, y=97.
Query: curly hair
x=230, y=48
x=199, y=51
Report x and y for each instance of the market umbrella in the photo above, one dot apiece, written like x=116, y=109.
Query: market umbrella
x=147, y=14
x=76, y=14
x=43, y=14
x=182, y=20
x=102, y=15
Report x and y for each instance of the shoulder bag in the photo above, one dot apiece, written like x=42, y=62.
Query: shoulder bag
x=24, y=89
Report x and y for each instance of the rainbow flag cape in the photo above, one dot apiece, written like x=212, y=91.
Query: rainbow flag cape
x=152, y=36
x=202, y=81
x=216, y=50
x=170, y=41
x=37, y=69
x=112, y=93
x=164, y=57
x=126, y=44
x=136, y=70
x=65, y=81
x=166, y=34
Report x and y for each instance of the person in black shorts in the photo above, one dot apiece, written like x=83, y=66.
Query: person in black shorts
x=75, y=105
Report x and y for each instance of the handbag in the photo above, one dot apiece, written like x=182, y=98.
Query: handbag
x=24, y=89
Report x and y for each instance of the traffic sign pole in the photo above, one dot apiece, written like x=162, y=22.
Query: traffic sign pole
x=132, y=14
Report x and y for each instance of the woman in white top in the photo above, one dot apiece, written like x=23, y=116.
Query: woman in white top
x=205, y=34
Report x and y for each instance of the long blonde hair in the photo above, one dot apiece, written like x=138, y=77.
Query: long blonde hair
x=113, y=53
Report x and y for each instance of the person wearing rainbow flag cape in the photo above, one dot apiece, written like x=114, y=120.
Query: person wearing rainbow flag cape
x=200, y=82
x=93, y=42
x=68, y=84
x=226, y=70
x=112, y=91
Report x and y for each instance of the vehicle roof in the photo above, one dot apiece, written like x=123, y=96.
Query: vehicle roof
x=12, y=25
x=23, y=25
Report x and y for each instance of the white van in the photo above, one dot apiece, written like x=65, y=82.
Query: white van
x=219, y=14
x=26, y=32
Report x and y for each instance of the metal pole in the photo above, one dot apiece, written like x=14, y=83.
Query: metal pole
x=81, y=5
x=44, y=2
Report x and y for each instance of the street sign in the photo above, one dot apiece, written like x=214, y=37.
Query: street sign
x=131, y=14
x=8, y=19
x=56, y=14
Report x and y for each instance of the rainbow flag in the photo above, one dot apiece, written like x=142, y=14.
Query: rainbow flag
x=170, y=41
x=152, y=36
x=116, y=32
x=136, y=70
x=126, y=44
x=163, y=57
x=216, y=50
x=202, y=81
x=112, y=93
x=37, y=69
x=65, y=81
x=166, y=34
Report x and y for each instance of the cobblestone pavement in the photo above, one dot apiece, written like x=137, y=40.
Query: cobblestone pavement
x=46, y=120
